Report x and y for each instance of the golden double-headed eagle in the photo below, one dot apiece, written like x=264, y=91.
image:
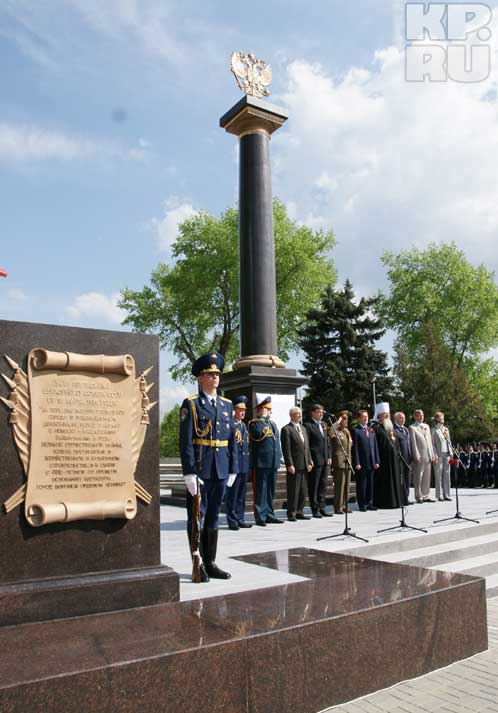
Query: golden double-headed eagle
x=253, y=75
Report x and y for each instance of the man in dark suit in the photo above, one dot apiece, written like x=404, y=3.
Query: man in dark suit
x=404, y=446
x=235, y=497
x=319, y=447
x=208, y=454
x=264, y=458
x=297, y=458
x=365, y=461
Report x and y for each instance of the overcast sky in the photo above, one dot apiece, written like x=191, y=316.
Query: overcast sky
x=109, y=136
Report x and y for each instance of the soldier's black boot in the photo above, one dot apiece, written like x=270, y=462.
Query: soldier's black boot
x=203, y=574
x=210, y=545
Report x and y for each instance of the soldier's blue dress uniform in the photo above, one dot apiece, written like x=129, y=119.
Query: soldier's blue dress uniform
x=264, y=457
x=235, y=497
x=208, y=450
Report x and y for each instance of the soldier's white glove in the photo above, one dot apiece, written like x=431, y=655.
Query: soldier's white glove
x=231, y=479
x=190, y=482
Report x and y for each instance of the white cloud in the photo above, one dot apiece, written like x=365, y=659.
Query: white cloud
x=172, y=394
x=19, y=143
x=166, y=228
x=97, y=306
x=150, y=23
x=166, y=31
x=16, y=295
x=388, y=163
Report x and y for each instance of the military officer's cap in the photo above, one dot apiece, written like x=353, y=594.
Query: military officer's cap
x=266, y=403
x=240, y=402
x=213, y=361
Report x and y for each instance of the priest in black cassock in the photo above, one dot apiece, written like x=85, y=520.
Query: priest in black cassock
x=387, y=490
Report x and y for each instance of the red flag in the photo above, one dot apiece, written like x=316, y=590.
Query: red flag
x=3, y=273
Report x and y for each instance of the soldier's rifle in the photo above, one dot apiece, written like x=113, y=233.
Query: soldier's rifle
x=196, y=519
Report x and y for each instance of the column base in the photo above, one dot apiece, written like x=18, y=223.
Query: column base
x=254, y=380
x=268, y=360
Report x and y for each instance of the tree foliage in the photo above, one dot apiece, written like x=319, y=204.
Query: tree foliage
x=170, y=444
x=432, y=382
x=439, y=285
x=193, y=304
x=340, y=358
x=441, y=304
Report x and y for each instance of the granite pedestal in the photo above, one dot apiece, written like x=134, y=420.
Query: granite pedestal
x=350, y=627
x=88, y=566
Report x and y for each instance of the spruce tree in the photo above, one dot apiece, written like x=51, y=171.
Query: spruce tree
x=340, y=358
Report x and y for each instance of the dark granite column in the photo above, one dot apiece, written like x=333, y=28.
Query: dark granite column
x=259, y=369
x=256, y=248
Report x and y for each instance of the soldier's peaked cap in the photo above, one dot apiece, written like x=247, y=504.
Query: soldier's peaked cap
x=212, y=361
x=240, y=401
x=266, y=402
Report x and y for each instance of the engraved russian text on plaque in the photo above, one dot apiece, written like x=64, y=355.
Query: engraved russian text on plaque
x=79, y=423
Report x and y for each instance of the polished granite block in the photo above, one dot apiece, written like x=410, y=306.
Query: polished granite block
x=62, y=549
x=56, y=597
x=87, y=566
x=352, y=627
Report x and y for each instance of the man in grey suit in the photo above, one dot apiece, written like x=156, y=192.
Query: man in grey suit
x=423, y=456
x=441, y=444
x=297, y=458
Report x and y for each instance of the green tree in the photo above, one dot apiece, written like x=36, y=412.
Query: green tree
x=431, y=381
x=193, y=304
x=439, y=285
x=170, y=444
x=436, y=294
x=340, y=358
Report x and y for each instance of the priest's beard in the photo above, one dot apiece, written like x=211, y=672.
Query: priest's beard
x=388, y=425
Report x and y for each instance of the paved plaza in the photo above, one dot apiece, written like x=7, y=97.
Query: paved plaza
x=470, y=685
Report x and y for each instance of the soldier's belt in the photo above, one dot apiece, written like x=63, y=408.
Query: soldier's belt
x=209, y=442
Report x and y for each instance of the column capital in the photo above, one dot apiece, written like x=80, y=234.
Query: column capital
x=251, y=115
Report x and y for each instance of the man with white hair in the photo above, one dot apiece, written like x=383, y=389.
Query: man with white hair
x=298, y=462
x=423, y=456
x=387, y=492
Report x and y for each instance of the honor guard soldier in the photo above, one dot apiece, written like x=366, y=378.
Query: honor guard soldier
x=209, y=456
x=265, y=455
x=235, y=498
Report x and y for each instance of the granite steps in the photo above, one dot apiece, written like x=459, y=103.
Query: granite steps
x=467, y=548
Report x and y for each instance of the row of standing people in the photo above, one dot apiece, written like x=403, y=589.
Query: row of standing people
x=385, y=458
x=215, y=458
x=480, y=466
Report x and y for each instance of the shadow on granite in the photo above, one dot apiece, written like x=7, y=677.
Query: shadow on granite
x=354, y=626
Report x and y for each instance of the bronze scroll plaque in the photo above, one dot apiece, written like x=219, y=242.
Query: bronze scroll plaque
x=79, y=423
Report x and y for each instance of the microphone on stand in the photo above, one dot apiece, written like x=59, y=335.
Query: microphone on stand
x=330, y=415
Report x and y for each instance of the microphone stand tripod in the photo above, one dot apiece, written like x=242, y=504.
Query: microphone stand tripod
x=347, y=530
x=458, y=515
x=403, y=524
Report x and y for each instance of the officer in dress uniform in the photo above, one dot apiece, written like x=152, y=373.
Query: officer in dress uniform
x=235, y=498
x=208, y=454
x=265, y=455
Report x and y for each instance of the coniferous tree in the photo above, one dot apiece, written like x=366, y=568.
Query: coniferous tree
x=340, y=358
